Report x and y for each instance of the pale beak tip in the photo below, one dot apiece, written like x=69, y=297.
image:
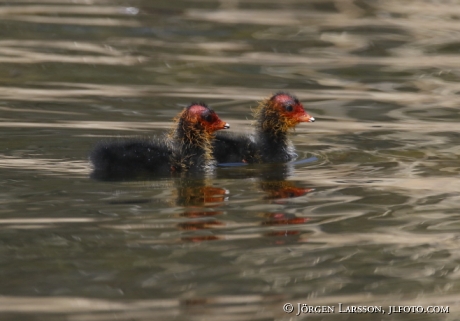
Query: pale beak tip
x=226, y=126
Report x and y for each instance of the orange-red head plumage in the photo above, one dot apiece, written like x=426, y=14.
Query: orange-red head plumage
x=195, y=128
x=281, y=112
x=199, y=117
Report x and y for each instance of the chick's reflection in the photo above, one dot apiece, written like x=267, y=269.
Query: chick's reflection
x=282, y=189
x=200, y=202
x=283, y=219
x=196, y=193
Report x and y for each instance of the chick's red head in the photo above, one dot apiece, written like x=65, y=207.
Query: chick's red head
x=290, y=109
x=207, y=118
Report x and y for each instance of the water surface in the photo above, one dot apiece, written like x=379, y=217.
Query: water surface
x=372, y=221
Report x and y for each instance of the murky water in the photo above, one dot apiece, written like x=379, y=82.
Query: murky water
x=372, y=222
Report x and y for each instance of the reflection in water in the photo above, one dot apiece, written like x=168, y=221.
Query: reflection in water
x=271, y=180
x=283, y=219
x=202, y=205
x=283, y=189
x=194, y=192
x=193, y=196
x=200, y=202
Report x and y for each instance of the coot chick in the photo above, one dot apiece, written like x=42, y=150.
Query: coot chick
x=187, y=148
x=274, y=117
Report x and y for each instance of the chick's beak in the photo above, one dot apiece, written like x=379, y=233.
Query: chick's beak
x=221, y=125
x=306, y=118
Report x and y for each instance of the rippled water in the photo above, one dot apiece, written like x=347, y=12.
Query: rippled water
x=373, y=221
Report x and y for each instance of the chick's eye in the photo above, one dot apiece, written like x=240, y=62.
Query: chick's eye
x=207, y=117
x=289, y=108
